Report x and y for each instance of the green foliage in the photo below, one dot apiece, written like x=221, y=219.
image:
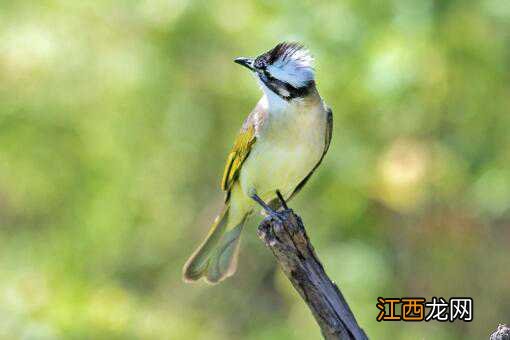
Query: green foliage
x=115, y=121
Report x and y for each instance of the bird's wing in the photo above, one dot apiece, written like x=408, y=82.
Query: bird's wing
x=242, y=147
x=329, y=132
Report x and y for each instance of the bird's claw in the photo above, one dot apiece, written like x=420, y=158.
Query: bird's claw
x=276, y=215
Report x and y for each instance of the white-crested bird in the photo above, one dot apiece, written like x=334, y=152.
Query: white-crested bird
x=280, y=145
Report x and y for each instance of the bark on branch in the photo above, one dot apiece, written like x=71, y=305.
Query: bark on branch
x=502, y=333
x=293, y=251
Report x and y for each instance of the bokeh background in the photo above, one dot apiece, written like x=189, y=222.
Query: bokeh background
x=115, y=120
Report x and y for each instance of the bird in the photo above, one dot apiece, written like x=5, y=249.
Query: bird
x=279, y=146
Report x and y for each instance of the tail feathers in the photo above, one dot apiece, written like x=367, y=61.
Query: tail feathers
x=223, y=262
x=216, y=258
x=197, y=263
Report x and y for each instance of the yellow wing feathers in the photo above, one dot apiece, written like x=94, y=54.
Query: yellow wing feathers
x=236, y=157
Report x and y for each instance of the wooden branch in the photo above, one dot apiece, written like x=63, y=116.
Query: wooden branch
x=293, y=251
x=502, y=333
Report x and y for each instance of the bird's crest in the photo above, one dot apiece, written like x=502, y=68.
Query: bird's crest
x=289, y=62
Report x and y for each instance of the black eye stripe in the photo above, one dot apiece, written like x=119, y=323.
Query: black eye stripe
x=279, y=82
x=277, y=85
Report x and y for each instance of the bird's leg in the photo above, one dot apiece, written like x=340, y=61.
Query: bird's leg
x=263, y=204
x=266, y=207
x=282, y=200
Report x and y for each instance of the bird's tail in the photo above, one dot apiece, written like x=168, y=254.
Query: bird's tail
x=216, y=258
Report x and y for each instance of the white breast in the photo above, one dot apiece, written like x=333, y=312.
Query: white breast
x=289, y=146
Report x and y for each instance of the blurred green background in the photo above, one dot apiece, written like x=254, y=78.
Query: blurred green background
x=115, y=120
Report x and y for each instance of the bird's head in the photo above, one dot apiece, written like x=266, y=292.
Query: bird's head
x=286, y=70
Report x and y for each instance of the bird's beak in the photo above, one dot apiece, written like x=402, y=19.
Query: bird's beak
x=246, y=62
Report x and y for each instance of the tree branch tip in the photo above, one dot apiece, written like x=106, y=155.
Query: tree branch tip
x=271, y=227
x=286, y=237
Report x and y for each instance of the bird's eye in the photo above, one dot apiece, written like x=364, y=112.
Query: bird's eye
x=260, y=63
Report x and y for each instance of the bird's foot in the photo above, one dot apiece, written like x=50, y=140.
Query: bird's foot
x=274, y=214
